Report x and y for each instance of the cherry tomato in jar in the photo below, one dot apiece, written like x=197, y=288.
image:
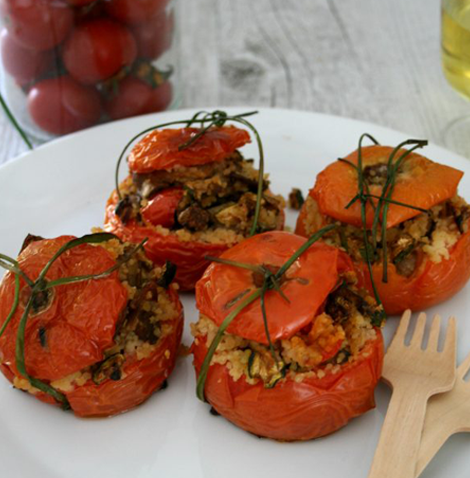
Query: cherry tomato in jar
x=153, y=37
x=80, y=3
x=23, y=64
x=37, y=24
x=91, y=11
x=61, y=105
x=133, y=11
x=136, y=97
x=98, y=49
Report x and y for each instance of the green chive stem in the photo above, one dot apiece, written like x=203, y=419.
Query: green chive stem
x=14, y=306
x=314, y=238
x=208, y=117
x=101, y=275
x=97, y=238
x=228, y=262
x=40, y=285
x=15, y=123
x=20, y=360
x=265, y=322
x=218, y=337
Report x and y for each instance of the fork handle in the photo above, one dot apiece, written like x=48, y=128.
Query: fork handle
x=436, y=437
x=398, y=447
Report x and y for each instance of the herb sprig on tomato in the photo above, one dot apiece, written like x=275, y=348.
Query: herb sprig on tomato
x=401, y=220
x=207, y=122
x=270, y=281
x=41, y=293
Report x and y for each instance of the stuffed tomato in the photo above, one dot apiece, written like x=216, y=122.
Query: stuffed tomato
x=318, y=366
x=192, y=194
x=100, y=329
x=423, y=255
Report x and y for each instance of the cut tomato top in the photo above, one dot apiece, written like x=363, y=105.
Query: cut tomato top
x=306, y=284
x=420, y=182
x=160, y=148
x=78, y=321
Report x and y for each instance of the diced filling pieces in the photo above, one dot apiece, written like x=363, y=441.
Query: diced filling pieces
x=336, y=336
x=215, y=197
x=432, y=234
x=148, y=317
x=296, y=199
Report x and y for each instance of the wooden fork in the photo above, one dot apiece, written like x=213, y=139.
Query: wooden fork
x=414, y=375
x=446, y=414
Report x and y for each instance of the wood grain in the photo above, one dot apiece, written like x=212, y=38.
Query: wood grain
x=372, y=60
x=415, y=372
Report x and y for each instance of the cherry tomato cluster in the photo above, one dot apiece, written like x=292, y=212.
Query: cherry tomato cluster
x=81, y=61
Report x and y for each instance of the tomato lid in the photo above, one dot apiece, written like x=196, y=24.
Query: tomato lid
x=308, y=282
x=422, y=183
x=79, y=321
x=160, y=148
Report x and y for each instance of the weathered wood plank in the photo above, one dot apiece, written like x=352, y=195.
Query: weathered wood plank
x=373, y=60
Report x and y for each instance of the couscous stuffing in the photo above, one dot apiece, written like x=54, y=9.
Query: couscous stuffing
x=148, y=318
x=215, y=202
x=432, y=233
x=334, y=337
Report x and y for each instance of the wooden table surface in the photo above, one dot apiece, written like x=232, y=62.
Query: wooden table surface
x=374, y=60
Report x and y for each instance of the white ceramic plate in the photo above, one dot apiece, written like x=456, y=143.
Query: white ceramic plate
x=61, y=188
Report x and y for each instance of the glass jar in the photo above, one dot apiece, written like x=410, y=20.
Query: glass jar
x=71, y=64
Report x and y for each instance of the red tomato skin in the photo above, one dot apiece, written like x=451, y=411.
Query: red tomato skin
x=188, y=256
x=23, y=64
x=79, y=3
x=160, y=98
x=97, y=50
x=136, y=97
x=154, y=36
x=427, y=184
x=132, y=11
x=161, y=209
x=61, y=105
x=130, y=99
x=293, y=411
x=160, y=149
x=429, y=285
x=89, y=12
x=142, y=378
x=73, y=340
x=38, y=24
x=318, y=271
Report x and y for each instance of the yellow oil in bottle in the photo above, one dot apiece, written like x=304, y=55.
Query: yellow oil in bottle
x=455, y=44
